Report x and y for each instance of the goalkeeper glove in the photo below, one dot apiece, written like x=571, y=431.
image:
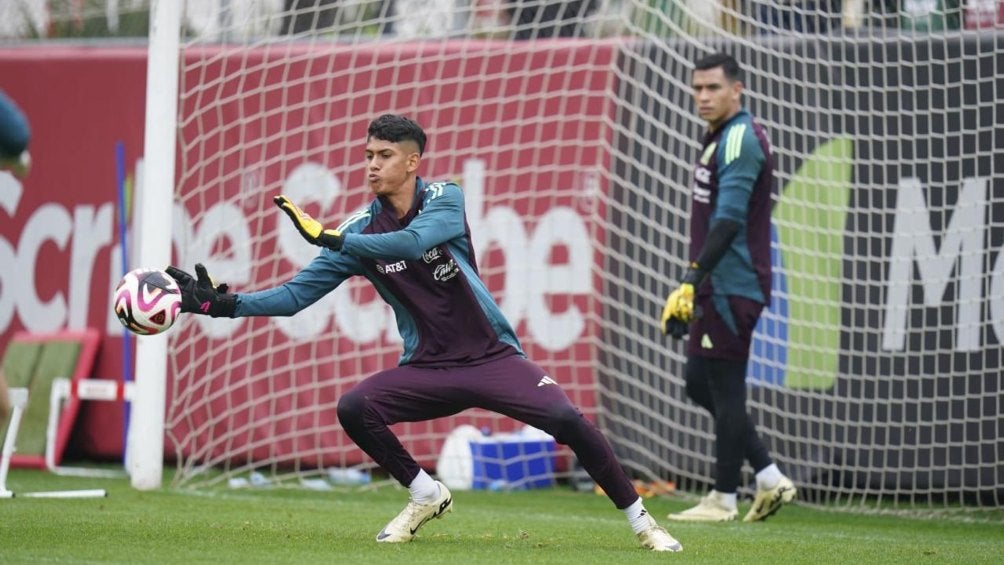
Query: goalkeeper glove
x=675, y=328
x=679, y=309
x=309, y=228
x=202, y=296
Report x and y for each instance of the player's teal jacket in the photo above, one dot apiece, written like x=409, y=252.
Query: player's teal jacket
x=423, y=265
x=733, y=179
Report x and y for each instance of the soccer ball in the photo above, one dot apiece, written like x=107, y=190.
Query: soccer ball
x=147, y=301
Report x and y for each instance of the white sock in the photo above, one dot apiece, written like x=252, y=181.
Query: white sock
x=727, y=499
x=423, y=489
x=768, y=477
x=637, y=516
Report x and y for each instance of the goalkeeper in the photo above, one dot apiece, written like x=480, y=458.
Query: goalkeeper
x=413, y=243
x=726, y=287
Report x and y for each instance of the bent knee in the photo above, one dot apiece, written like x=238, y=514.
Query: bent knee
x=351, y=407
x=565, y=423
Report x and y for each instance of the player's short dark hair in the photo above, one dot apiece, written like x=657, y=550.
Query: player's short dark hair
x=730, y=67
x=395, y=129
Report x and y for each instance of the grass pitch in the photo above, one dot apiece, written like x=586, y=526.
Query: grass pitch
x=281, y=525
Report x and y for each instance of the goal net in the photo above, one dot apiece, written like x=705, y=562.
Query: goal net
x=875, y=374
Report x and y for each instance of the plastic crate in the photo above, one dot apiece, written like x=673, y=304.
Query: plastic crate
x=501, y=463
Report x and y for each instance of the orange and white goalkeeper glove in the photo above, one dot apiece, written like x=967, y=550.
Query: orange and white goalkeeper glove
x=309, y=228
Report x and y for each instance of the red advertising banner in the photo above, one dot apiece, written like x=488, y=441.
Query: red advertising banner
x=523, y=129
x=58, y=227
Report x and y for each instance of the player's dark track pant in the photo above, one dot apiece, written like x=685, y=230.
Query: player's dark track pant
x=512, y=386
x=719, y=385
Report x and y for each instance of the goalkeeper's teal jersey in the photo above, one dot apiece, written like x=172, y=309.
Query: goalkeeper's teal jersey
x=423, y=265
x=733, y=179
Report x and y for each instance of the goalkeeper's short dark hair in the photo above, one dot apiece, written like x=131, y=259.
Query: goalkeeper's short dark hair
x=395, y=129
x=730, y=67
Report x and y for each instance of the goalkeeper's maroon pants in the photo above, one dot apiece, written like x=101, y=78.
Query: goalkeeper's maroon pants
x=717, y=355
x=512, y=386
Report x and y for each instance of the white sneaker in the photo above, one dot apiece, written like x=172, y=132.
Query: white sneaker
x=710, y=509
x=769, y=501
x=656, y=538
x=402, y=528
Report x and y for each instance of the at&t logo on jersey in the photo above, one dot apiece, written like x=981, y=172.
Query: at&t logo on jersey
x=390, y=268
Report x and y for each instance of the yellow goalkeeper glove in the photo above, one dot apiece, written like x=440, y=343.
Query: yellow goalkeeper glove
x=309, y=228
x=679, y=305
x=679, y=309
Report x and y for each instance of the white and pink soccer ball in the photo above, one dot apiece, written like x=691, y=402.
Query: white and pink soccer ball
x=147, y=301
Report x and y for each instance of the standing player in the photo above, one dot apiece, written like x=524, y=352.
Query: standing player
x=729, y=279
x=413, y=243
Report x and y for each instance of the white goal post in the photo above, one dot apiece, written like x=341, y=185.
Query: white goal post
x=145, y=436
x=876, y=372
